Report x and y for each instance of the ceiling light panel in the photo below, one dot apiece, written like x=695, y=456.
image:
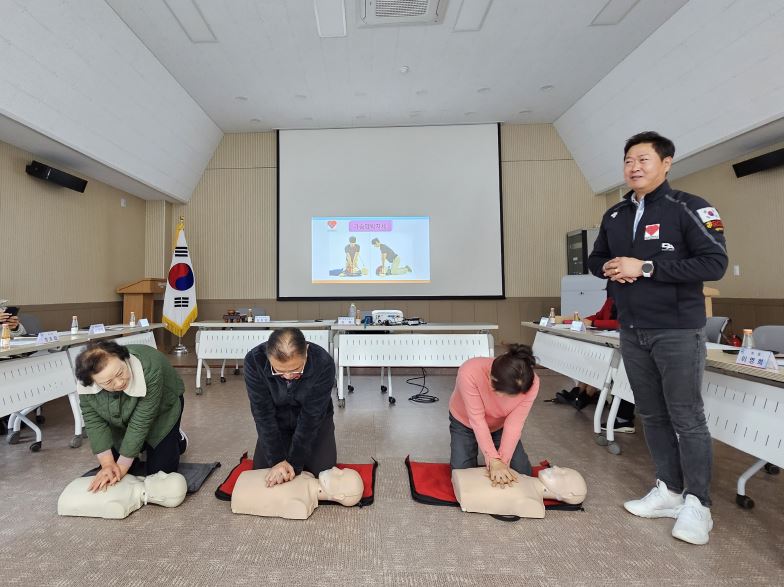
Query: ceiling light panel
x=330, y=18
x=191, y=20
x=471, y=15
x=613, y=12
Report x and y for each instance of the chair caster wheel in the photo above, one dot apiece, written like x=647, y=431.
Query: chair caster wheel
x=76, y=441
x=199, y=391
x=383, y=389
x=392, y=401
x=771, y=469
x=614, y=448
x=350, y=389
x=601, y=440
x=223, y=379
x=35, y=447
x=744, y=501
x=13, y=437
x=341, y=403
x=236, y=371
x=209, y=381
x=40, y=419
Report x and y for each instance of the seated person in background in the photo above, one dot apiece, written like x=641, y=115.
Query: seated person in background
x=118, y=501
x=522, y=498
x=296, y=499
x=16, y=327
x=583, y=394
x=131, y=400
x=487, y=410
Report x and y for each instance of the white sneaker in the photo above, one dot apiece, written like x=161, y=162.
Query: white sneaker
x=694, y=522
x=659, y=503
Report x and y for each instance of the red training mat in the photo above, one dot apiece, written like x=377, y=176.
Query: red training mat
x=431, y=483
x=367, y=471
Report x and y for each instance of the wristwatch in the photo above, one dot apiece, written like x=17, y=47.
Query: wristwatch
x=647, y=268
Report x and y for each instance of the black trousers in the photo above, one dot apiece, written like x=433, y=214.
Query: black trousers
x=323, y=456
x=164, y=457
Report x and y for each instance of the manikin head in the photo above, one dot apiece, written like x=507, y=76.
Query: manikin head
x=566, y=485
x=166, y=489
x=343, y=486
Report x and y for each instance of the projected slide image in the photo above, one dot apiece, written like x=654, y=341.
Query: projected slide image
x=375, y=250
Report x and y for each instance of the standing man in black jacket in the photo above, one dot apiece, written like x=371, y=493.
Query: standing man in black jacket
x=290, y=389
x=658, y=245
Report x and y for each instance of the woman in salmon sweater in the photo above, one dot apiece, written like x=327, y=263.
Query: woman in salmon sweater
x=487, y=410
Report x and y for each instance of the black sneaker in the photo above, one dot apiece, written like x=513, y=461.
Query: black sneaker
x=183, y=441
x=621, y=426
x=583, y=399
x=566, y=397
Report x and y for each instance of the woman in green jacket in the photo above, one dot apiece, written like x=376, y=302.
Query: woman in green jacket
x=131, y=399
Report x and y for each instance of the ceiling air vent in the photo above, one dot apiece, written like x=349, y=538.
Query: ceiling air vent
x=401, y=12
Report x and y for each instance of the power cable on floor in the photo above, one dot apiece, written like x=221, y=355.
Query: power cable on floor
x=423, y=396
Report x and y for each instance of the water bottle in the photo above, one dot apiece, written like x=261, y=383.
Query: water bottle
x=5, y=339
x=74, y=325
x=748, y=339
x=132, y=321
x=250, y=315
x=352, y=312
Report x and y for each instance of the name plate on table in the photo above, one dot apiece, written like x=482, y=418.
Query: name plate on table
x=756, y=358
x=261, y=318
x=97, y=329
x=143, y=322
x=577, y=326
x=44, y=337
x=346, y=320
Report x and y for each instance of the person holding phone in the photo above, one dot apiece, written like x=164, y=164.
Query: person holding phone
x=10, y=315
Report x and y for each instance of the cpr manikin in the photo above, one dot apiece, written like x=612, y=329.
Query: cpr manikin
x=124, y=497
x=296, y=499
x=524, y=498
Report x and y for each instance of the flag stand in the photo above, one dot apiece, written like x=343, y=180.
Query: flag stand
x=180, y=349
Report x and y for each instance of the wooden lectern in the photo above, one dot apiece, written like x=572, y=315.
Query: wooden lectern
x=138, y=297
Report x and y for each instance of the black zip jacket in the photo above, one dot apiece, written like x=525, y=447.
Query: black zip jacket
x=684, y=237
x=295, y=411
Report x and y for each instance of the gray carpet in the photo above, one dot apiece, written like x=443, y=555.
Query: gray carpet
x=395, y=541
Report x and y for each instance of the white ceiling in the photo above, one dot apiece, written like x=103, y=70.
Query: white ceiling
x=269, y=53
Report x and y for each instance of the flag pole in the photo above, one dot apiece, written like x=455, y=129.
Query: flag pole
x=180, y=349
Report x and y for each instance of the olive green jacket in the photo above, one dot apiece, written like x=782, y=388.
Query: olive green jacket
x=114, y=419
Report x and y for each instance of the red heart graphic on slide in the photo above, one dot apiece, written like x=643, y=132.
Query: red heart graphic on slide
x=652, y=229
x=332, y=224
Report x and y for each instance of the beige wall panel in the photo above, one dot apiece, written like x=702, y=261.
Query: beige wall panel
x=245, y=151
x=543, y=200
x=157, y=244
x=60, y=246
x=230, y=227
x=532, y=142
x=752, y=209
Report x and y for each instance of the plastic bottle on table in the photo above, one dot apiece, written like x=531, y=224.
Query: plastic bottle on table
x=74, y=325
x=352, y=311
x=250, y=315
x=5, y=338
x=132, y=321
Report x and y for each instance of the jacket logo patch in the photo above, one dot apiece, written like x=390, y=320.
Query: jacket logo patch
x=667, y=247
x=614, y=214
x=708, y=214
x=652, y=232
x=715, y=225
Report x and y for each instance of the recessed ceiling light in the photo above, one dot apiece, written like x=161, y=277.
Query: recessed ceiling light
x=547, y=88
x=404, y=69
x=483, y=90
x=241, y=98
x=421, y=92
x=301, y=96
x=471, y=113
x=255, y=119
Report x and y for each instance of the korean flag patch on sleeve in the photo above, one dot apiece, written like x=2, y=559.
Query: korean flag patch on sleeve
x=708, y=214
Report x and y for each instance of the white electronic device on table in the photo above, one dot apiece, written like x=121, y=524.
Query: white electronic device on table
x=388, y=317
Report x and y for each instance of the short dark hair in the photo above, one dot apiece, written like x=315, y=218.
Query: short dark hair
x=352, y=239
x=94, y=358
x=375, y=241
x=663, y=146
x=513, y=372
x=286, y=343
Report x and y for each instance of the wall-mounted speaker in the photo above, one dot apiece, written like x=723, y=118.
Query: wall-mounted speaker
x=761, y=163
x=41, y=171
